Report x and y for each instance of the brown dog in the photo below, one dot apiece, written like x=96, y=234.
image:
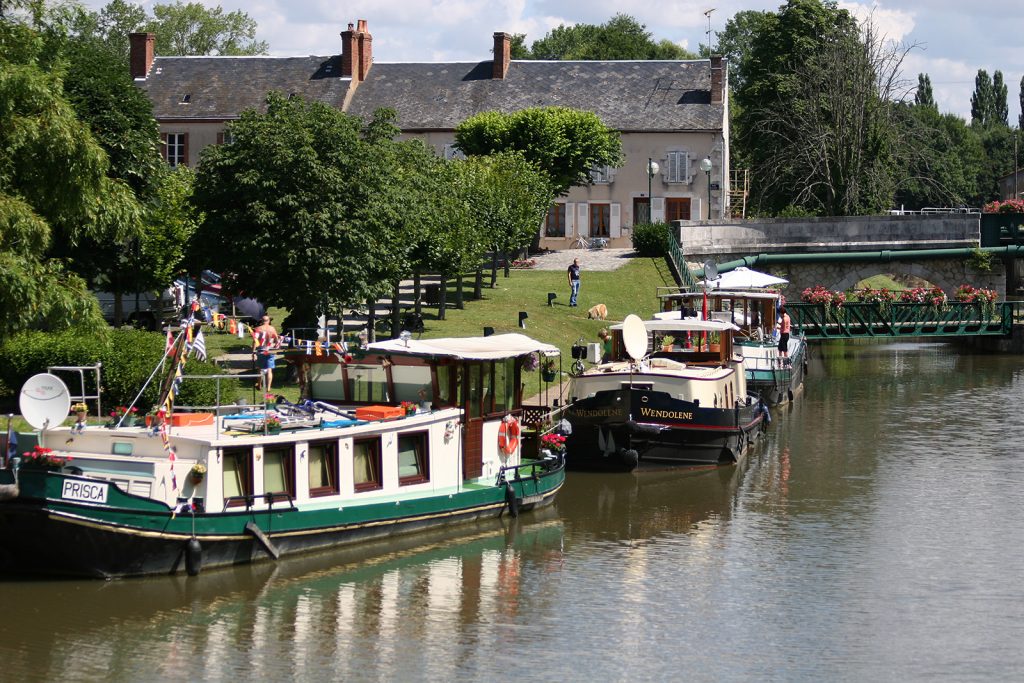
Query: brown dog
x=598, y=312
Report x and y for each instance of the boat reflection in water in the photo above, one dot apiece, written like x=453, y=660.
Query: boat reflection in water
x=334, y=615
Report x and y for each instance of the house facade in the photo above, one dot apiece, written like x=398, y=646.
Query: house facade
x=672, y=113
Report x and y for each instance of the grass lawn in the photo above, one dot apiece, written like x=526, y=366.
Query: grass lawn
x=630, y=289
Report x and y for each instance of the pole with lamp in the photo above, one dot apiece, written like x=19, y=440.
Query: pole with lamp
x=705, y=165
x=652, y=168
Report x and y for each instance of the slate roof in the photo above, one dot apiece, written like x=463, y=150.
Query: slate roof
x=223, y=87
x=626, y=95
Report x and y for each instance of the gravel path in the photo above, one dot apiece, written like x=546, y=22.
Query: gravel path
x=590, y=259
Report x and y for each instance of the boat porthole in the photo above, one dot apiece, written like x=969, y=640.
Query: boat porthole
x=643, y=399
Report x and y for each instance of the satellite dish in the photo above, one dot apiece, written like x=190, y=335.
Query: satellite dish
x=634, y=336
x=710, y=271
x=44, y=401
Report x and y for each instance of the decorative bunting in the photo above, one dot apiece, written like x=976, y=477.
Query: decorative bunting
x=199, y=346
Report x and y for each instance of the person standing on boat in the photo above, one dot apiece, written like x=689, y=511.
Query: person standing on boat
x=267, y=340
x=574, y=281
x=784, y=326
x=606, y=345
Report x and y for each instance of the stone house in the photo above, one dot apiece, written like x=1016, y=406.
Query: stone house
x=672, y=113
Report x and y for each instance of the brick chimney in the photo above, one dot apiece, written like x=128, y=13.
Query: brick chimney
x=356, y=52
x=502, y=54
x=140, y=55
x=717, y=72
x=365, y=49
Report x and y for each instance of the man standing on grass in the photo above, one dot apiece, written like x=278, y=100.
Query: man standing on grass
x=574, y=281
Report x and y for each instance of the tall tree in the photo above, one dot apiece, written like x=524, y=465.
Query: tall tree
x=621, y=37
x=822, y=144
x=53, y=187
x=982, y=100
x=1000, y=108
x=938, y=155
x=923, y=97
x=1020, y=99
x=564, y=143
x=193, y=29
x=305, y=208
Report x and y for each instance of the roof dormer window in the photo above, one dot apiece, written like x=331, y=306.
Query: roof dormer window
x=186, y=98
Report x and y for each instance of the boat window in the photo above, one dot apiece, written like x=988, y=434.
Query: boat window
x=445, y=374
x=122, y=448
x=473, y=389
x=323, y=468
x=487, y=388
x=413, y=459
x=366, y=470
x=504, y=385
x=237, y=476
x=410, y=381
x=278, y=472
x=367, y=383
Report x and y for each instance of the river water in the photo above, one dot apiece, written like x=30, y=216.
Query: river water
x=876, y=534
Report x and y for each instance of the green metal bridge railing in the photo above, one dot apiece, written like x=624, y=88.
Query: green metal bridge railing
x=675, y=255
x=856, y=320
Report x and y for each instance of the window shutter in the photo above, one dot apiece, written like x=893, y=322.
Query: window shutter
x=163, y=146
x=570, y=218
x=616, y=220
x=657, y=209
x=583, y=224
x=185, y=153
x=220, y=138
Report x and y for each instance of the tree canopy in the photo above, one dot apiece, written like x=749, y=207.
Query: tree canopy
x=563, y=143
x=924, y=97
x=194, y=29
x=621, y=37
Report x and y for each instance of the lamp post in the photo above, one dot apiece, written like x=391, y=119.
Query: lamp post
x=705, y=165
x=652, y=168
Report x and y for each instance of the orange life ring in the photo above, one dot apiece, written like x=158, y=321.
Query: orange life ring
x=508, y=435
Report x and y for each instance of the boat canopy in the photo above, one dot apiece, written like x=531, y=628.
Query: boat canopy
x=722, y=294
x=744, y=278
x=686, y=325
x=493, y=347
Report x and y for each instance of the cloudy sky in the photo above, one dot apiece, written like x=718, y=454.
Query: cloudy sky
x=954, y=38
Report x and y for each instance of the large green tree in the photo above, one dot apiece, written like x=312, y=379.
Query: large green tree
x=982, y=100
x=194, y=29
x=939, y=155
x=814, y=141
x=923, y=96
x=563, y=143
x=1000, y=107
x=305, y=208
x=734, y=42
x=54, y=188
x=621, y=37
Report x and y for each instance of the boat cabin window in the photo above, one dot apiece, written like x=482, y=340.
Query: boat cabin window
x=279, y=471
x=446, y=375
x=504, y=385
x=413, y=459
x=366, y=468
x=323, y=468
x=412, y=383
x=367, y=383
x=237, y=476
x=642, y=386
x=473, y=389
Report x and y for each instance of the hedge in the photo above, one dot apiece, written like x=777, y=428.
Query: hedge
x=650, y=239
x=128, y=357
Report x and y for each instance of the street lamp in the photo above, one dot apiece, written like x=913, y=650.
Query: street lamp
x=705, y=165
x=652, y=168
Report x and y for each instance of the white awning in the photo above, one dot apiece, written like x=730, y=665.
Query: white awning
x=495, y=347
x=744, y=278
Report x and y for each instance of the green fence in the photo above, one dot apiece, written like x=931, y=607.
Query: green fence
x=675, y=255
x=854, y=320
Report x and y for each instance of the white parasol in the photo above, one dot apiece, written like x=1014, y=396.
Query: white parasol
x=744, y=278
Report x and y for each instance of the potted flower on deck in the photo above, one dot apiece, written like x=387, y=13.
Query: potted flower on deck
x=553, y=443
x=197, y=473
x=273, y=424
x=548, y=369
x=123, y=416
x=408, y=407
x=40, y=458
x=666, y=342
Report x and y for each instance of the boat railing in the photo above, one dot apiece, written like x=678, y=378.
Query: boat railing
x=545, y=464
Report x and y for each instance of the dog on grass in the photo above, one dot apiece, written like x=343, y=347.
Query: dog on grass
x=598, y=312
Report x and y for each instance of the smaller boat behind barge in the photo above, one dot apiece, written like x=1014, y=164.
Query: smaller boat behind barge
x=776, y=379
x=420, y=434
x=662, y=401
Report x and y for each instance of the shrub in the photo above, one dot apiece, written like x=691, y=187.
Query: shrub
x=651, y=239
x=128, y=357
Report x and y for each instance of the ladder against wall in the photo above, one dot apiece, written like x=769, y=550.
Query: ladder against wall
x=739, y=190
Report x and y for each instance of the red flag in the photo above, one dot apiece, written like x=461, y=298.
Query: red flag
x=170, y=343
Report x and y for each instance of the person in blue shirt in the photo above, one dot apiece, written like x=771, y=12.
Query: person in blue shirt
x=574, y=281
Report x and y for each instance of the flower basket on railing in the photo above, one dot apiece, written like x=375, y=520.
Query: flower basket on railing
x=830, y=300
x=124, y=416
x=984, y=298
x=933, y=296
x=197, y=473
